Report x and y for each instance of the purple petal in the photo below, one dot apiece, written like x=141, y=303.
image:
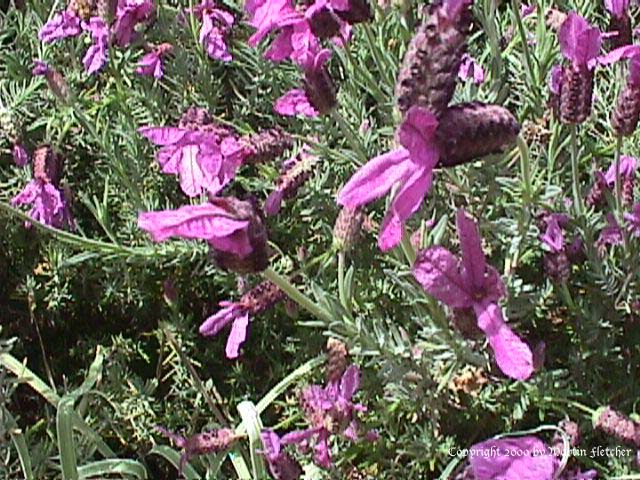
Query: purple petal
x=350, y=382
x=522, y=458
x=271, y=444
x=62, y=25
x=513, y=356
x=162, y=136
x=281, y=47
x=580, y=42
x=470, y=69
x=416, y=134
x=437, y=270
x=20, y=155
x=376, y=178
x=192, y=176
x=298, y=436
x=553, y=236
x=621, y=53
x=237, y=336
x=618, y=8
x=295, y=102
x=322, y=450
x=628, y=166
x=223, y=317
x=405, y=204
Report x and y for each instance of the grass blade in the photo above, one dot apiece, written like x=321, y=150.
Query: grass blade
x=113, y=466
x=173, y=457
x=253, y=426
x=66, y=445
x=21, y=445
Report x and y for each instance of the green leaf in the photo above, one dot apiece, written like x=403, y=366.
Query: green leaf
x=66, y=445
x=113, y=466
x=21, y=445
x=253, y=426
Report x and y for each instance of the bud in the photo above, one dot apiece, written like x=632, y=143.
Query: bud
x=358, y=11
x=576, y=94
x=47, y=165
x=627, y=112
x=622, y=25
x=295, y=173
x=83, y=8
x=469, y=131
x=57, y=84
x=337, y=360
x=596, y=196
x=286, y=468
x=201, y=443
x=618, y=425
x=348, y=228
x=261, y=298
x=429, y=70
x=557, y=266
x=323, y=22
x=320, y=89
x=257, y=260
x=266, y=145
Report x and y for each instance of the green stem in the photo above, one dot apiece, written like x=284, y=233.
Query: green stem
x=355, y=143
x=577, y=198
x=533, y=83
x=618, y=178
x=296, y=295
x=525, y=168
x=341, y=286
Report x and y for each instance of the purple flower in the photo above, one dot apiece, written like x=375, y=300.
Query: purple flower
x=610, y=235
x=209, y=221
x=203, y=160
x=524, y=458
x=281, y=465
x=63, y=25
x=299, y=101
x=98, y=54
x=128, y=15
x=628, y=166
x=617, y=8
x=470, y=283
x=411, y=166
x=216, y=24
x=151, y=63
x=50, y=205
x=526, y=10
x=580, y=42
x=20, y=155
x=633, y=220
x=470, y=69
x=554, y=235
x=330, y=410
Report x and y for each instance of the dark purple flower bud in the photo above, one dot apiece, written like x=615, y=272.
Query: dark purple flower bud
x=337, y=359
x=295, y=173
x=617, y=425
x=596, y=196
x=47, y=165
x=430, y=67
x=469, y=131
x=266, y=145
x=348, y=228
x=323, y=22
x=352, y=11
x=57, y=84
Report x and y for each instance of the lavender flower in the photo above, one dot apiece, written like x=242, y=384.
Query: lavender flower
x=470, y=283
x=203, y=159
x=256, y=301
x=20, y=155
x=295, y=173
x=55, y=80
x=411, y=166
x=63, y=25
x=628, y=167
x=620, y=21
x=491, y=460
x=281, y=465
x=98, y=54
x=200, y=443
x=331, y=411
x=470, y=69
x=216, y=25
x=633, y=220
x=152, y=62
x=129, y=14
x=610, y=235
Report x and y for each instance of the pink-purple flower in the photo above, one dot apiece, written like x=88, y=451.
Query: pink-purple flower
x=470, y=283
x=628, y=167
x=49, y=204
x=216, y=25
x=203, y=160
x=62, y=25
x=98, y=53
x=470, y=69
x=152, y=63
x=20, y=155
x=129, y=14
x=633, y=220
x=617, y=8
x=580, y=42
x=330, y=410
x=281, y=465
x=554, y=234
x=410, y=166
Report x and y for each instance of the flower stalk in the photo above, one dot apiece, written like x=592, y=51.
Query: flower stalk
x=575, y=173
